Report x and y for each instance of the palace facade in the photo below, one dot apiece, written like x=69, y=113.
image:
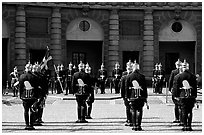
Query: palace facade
x=102, y=32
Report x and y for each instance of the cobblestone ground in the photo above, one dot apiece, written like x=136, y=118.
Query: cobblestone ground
x=108, y=116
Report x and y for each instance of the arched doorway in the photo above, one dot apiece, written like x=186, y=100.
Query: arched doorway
x=85, y=43
x=177, y=39
x=5, y=41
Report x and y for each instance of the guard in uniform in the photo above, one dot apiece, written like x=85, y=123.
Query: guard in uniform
x=69, y=74
x=28, y=85
x=160, y=78
x=177, y=109
x=42, y=93
x=81, y=87
x=185, y=90
x=14, y=81
x=62, y=74
x=117, y=74
x=102, y=76
x=137, y=95
x=58, y=78
x=154, y=78
x=124, y=93
x=90, y=98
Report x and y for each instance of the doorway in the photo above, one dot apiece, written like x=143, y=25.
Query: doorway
x=86, y=51
x=169, y=52
x=36, y=55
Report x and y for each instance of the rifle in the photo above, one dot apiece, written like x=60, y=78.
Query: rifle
x=58, y=78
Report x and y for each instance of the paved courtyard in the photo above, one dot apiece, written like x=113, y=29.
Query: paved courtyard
x=108, y=116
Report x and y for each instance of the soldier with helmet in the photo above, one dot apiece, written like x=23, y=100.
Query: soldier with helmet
x=137, y=95
x=81, y=88
x=185, y=91
x=28, y=85
x=69, y=74
x=58, y=80
x=154, y=78
x=124, y=93
x=174, y=72
x=102, y=76
x=160, y=79
x=117, y=74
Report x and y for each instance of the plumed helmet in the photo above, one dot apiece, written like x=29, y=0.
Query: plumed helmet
x=185, y=65
x=117, y=65
x=28, y=66
x=129, y=64
x=81, y=65
x=178, y=62
x=102, y=65
x=70, y=64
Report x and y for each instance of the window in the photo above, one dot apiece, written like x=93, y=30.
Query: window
x=77, y=57
x=37, y=25
x=84, y=25
x=130, y=27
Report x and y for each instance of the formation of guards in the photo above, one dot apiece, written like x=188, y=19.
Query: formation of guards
x=33, y=87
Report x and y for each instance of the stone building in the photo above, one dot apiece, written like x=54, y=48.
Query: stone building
x=97, y=32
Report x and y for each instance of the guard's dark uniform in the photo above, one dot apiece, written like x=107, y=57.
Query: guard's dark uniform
x=81, y=93
x=28, y=96
x=117, y=74
x=186, y=96
x=124, y=96
x=102, y=76
x=137, y=97
x=177, y=110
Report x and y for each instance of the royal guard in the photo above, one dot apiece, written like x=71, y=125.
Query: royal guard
x=124, y=93
x=154, y=78
x=62, y=74
x=185, y=91
x=81, y=84
x=69, y=74
x=102, y=76
x=160, y=79
x=137, y=95
x=58, y=78
x=28, y=85
x=117, y=74
x=14, y=81
x=177, y=109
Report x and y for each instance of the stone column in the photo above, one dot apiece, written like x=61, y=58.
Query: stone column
x=56, y=48
x=20, y=38
x=113, y=49
x=148, y=50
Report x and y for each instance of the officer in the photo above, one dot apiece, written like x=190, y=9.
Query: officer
x=102, y=76
x=14, y=81
x=80, y=84
x=185, y=90
x=69, y=74
x=42, y=93
x=174, y=72
x=124, y=93
x=117, y=74
x=90, y=98
x=137, y=95
x=28, y=85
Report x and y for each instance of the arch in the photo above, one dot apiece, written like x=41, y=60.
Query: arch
x=94, y=33
x=188, y=32
x=5, y=31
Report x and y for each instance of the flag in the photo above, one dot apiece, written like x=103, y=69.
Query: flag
x=46, y=58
